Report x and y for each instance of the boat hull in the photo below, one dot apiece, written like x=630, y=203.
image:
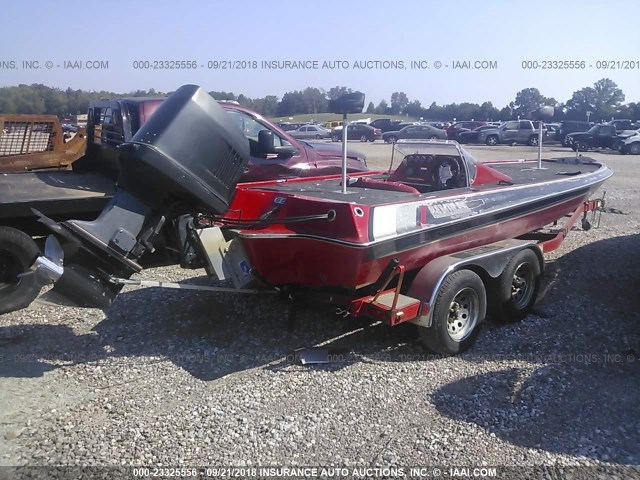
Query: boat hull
x=437, y=226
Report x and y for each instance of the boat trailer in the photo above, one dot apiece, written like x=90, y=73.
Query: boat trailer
x=400, y=297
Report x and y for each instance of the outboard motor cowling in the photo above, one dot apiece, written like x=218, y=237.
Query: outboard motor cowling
x=187, y=158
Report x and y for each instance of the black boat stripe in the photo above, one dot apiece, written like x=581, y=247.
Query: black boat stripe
x=397, y=245
x=407, y=241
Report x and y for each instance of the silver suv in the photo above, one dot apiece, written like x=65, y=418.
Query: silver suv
x=513, y=131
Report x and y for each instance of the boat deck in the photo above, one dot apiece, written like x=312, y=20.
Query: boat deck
x=332, y=190
x=527, y=172
x=520, y=172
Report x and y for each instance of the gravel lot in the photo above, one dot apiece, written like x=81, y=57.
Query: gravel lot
x=181, y=378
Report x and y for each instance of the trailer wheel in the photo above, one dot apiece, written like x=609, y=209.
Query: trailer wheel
x=516, y=289
x=18, y=251
x=458, y=311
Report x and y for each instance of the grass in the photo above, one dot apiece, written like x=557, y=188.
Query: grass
x=326, y=117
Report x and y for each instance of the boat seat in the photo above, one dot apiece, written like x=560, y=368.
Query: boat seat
x=365, y=182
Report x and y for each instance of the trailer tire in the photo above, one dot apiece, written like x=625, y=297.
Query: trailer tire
x=515, y=291
x=18, y=251
x=458, y=311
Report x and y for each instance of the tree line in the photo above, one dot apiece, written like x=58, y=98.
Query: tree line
x=602, y=101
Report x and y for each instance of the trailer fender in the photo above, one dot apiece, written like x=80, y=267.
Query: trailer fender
x=488, y=261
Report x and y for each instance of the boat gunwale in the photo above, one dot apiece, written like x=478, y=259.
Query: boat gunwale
x=600, y=177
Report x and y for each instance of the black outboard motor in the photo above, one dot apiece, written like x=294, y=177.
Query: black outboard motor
x=187, y=158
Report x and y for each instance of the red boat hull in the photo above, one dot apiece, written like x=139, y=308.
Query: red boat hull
x=320, y=262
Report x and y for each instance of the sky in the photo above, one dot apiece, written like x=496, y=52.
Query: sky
x=241, y=34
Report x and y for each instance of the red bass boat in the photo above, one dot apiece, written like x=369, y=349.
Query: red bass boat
x=437, y=241
x=438, y=201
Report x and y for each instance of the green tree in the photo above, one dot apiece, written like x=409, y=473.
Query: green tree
x=608, y=97
x=223, y=95
x=315, y=100
x=630, y=110
x=291, y=104
x=487, y=112
x=244, y=101
x=528, y=99
x=399, y=101
x=336, y=92
x=371, y=108
x=434, y=112
x=382, y=108
x=414, y=109
x=267, y=106
x=603, y=100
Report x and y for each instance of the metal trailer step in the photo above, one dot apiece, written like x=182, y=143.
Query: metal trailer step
x=406, y=308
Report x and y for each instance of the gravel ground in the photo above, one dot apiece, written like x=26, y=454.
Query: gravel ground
x=180, y=378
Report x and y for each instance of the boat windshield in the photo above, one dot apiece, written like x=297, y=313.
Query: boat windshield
x=436, y=148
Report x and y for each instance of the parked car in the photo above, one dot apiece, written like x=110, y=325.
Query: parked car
x=333, y=124
x=440, y=125
x=414, y=132
x=570, y=126
x=385, y=124
x=68, y=127
x=630, y=144
x=357, y=131
x=276, y=154
x=552, y=129
x=472, y=136
x=287, y=126
x=456, y=128
x=599, y=136
x=513, y=131
x=310, y=131
x=623, y=124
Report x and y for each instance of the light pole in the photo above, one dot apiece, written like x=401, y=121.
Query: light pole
x=588, y=116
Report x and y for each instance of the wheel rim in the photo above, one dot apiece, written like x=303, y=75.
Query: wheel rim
x=534, y=141
x=634, y=149
x=491, y=141
x=522, y=285
x=463, y=314
x=10, y=267
x=433, y=138
x=363, y=138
